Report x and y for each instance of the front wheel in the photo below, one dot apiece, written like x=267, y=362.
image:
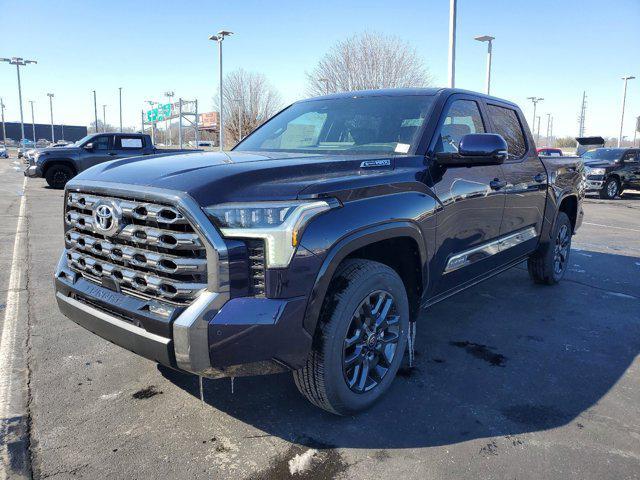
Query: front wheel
x=610, y=189
x=549, y=264
x=57, y=176
x=360, y=341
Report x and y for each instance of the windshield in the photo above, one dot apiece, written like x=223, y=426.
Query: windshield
x=603, y=154
x=372, y=124
x=83, y=140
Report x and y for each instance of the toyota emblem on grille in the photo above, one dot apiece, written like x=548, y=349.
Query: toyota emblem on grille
x=106, y=218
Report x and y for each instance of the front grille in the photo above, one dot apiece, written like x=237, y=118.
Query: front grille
x=256, y=267
x=595, y=177
x=155, y=253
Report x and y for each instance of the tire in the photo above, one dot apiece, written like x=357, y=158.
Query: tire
x=325, y=378
x=57, y=176
x=548, y=265
x=611, y=189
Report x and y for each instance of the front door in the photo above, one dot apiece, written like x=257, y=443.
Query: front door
x=101, y=152
x=526, y=189
x=630, y=171
x=472, y=201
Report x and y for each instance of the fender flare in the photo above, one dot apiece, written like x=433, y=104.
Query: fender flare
x=346, y=245
x=57, y=161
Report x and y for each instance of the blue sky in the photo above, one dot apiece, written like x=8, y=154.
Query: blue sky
x=548, y=48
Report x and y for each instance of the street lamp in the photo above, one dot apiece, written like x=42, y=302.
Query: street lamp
x=104, y=118
x=19, y=62
x=489, y=39
x=624, y=100
x=120, y=95
x=535, y=101
x=219, y=37
x=95, y=109
x=4, y=132
x=33, y=124
x=50, y=95
x=169, y=95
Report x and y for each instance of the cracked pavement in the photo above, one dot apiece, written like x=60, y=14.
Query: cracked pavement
x=513, y=380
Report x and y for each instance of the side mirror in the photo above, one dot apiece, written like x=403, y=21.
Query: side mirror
x=88, y=146
x=476, y=149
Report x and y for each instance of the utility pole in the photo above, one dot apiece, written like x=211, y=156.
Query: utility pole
x=169, y=95
x=104, y=118
x=19, y=62
x=50, y=95
x=548, y=127
x=624, y=100
x=535, y=101
x=452, y=42
x=538, y=131
x=33, y=124
x=583, y=112
x=219, y=37
x=95, y=109
x=120, y=99
x=551, y=130
x=4, y=132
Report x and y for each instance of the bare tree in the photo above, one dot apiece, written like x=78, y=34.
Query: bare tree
x=249, y=101
x=369, y=60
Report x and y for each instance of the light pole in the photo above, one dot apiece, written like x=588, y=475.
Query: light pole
x=535, y=101
x=33, y=124
x=538, y=131
x=452, y=42
x=548, y=127
x=50, y=95
x=169, y=95
x=104, y=118
x=153, y=122
x=489, y=39
x=219, y=37
x=120, y=100
x=624, y=100
x=19, y=62
x=4, y=132
x=326, y=84
x=95, y=109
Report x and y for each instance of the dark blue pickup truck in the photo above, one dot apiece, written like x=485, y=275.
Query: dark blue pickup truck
x=314, y=244
x=59, y=164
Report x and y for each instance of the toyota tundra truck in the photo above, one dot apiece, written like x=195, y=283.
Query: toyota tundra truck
x=59, y=164
x=313, y=245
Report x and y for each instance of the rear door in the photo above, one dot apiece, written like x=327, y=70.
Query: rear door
x=526, y=189
x=472, y=202
x=129, y=146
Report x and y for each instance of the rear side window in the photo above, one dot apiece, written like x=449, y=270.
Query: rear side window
x=129, y=143
x=506, y=123
x=463, y=117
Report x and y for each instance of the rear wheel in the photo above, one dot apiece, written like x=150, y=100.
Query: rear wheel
x=360, y=341
x=57, y=176
x=549, y=264
x=610, y=189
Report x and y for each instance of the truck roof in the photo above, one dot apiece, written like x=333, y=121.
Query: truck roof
x=402, y=92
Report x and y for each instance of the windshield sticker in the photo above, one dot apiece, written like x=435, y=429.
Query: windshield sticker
x=402, y=148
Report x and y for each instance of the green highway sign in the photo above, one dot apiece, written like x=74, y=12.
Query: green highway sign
x=161, y=112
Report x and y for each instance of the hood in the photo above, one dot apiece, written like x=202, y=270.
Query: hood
x=217, y=177
x=59, y=150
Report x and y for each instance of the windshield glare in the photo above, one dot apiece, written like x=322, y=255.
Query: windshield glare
x=372, y=124
x=603, y=154
x=83, y=139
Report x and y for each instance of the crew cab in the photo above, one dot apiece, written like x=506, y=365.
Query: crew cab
x=610, y=170
x=314, y=244
x=58, y=164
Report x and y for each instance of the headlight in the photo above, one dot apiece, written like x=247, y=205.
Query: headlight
x=595, y=171
x=279, y=224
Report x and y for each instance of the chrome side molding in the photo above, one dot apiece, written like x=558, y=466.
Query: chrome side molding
x=488, y=249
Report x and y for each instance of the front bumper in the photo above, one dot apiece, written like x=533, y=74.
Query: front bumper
x=33, y=171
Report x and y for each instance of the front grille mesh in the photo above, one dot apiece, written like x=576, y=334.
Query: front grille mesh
x=154, y=254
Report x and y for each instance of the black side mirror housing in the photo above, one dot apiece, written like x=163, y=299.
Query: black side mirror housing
x=476, y=149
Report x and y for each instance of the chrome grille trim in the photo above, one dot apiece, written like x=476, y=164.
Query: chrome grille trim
x=155, y=254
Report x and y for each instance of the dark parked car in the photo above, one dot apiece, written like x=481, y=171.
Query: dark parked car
x=58, y=164
x=313, y=245
x=610, y=170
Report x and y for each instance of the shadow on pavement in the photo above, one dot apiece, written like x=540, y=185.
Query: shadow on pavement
x=500, y=359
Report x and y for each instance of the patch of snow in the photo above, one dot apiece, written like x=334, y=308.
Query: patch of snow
x=302, y=463
x=110, y=396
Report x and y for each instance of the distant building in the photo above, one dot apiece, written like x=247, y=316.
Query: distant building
x=43, y=131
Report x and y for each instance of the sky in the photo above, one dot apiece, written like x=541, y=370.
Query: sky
x=554, y=49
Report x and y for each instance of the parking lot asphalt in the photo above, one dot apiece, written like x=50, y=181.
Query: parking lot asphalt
x=513, y=380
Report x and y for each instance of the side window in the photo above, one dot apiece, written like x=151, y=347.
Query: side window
x=102, y=143
x=128, y=143
x=506, y=123
x=462, y=118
